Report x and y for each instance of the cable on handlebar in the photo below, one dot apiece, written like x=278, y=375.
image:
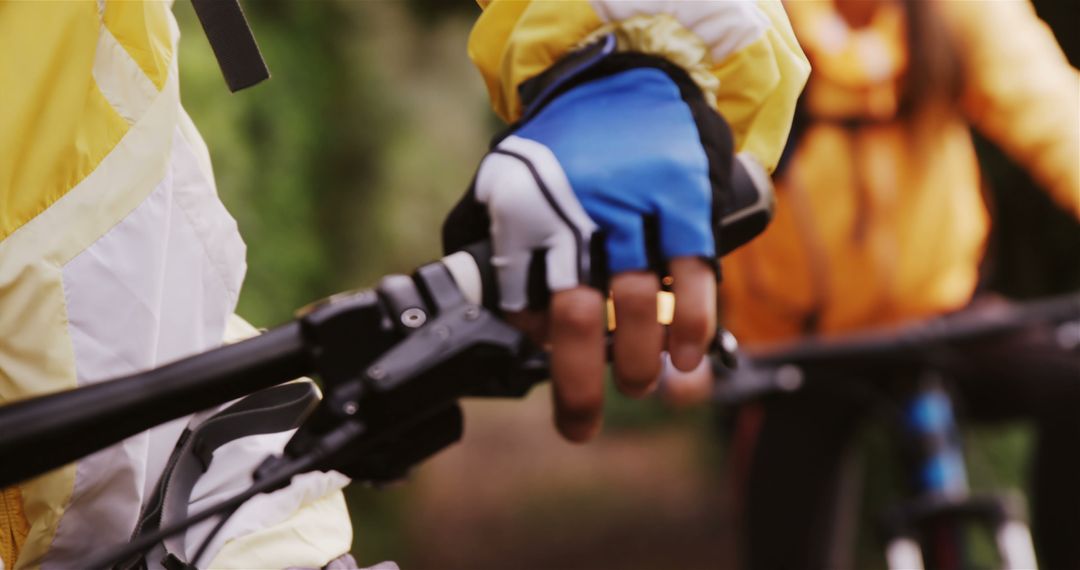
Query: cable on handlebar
x=225, y=516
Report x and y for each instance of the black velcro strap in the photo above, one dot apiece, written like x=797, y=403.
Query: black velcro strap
x=232, y=41
x=171, y=562
x=537, y=91
x=271, y=410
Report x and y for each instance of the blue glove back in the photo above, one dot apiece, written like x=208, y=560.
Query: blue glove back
x=630, y=148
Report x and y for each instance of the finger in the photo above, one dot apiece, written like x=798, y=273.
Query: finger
x=683, y=389
x=577, y=361
x=533, y=323
x=639, y=337
x=694, y=322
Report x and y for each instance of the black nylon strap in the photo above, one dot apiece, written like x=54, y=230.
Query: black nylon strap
x=271, y=410
x=171, y=562
x=232, y=41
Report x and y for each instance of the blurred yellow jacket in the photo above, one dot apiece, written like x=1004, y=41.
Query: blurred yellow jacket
x=116, y=255
x=879, y=220
x=742, y=54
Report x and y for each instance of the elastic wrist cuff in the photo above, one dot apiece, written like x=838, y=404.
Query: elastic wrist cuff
x=591, y=62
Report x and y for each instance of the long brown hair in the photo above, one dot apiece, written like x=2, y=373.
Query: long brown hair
x=934, y=79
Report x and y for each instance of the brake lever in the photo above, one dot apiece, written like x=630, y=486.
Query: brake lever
x=397, y=359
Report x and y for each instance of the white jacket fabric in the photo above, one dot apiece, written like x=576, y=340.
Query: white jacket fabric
x=116, y=255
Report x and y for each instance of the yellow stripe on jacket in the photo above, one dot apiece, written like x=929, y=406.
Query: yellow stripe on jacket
x=58, y=123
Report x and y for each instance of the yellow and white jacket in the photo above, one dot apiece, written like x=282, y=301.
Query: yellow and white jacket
x=742, y=53
x=116, y=255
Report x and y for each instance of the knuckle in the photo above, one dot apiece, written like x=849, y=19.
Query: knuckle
x=635, y=296
x=578, y=322
x=638, y=307
x=691, y=325
x=692, y=267
x=577, y=315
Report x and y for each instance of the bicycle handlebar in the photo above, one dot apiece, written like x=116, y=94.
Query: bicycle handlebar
x=781, y=368
x=902, y=342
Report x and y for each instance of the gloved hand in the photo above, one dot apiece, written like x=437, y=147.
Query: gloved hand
x=620, y=175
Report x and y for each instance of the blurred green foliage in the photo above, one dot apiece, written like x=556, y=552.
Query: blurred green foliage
x=339, y=168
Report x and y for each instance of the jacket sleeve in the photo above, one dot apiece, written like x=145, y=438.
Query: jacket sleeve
x=1021, y=91
x=743, y=55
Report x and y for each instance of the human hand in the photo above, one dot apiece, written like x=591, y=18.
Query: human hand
x=617, y=176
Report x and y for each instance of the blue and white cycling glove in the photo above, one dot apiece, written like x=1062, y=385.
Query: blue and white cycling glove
x=618, y=164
